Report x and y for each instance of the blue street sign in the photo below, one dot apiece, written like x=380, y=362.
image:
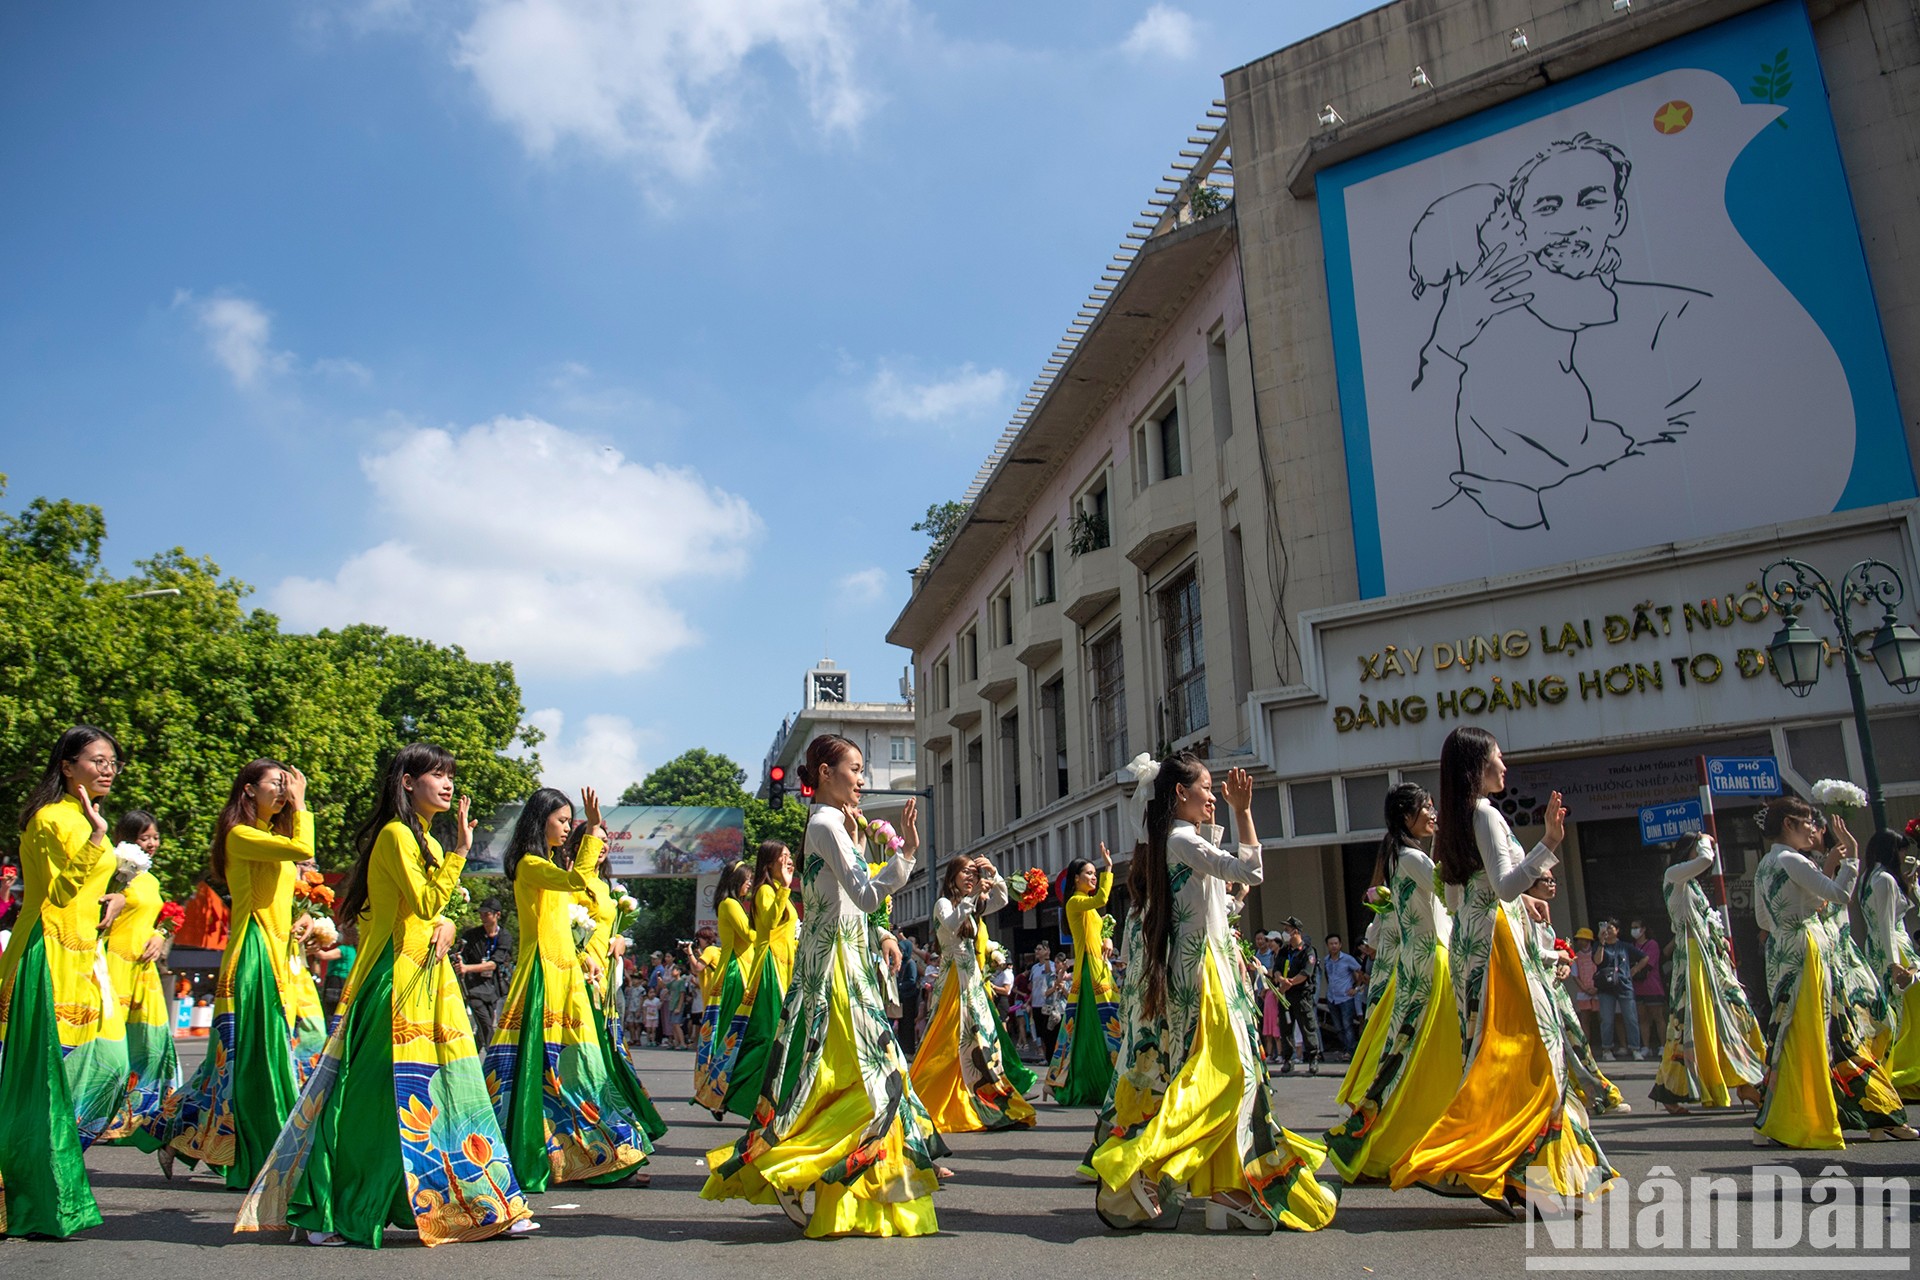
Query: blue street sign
x=1744, y=775
x=1660, y=823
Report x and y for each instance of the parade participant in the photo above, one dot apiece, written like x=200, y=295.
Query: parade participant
x=1714, y=1049
x=1515, y=1113
x=1883, y=895
x=1410, y=1071
x=838, y=1121
x=729, y=990
x=768, y=969
x=602, y=957
x=229, y=1113
x=1822, y=1079
x=65, y=866
x=1082, y=1068
x=960, y=1073
x=394, y=1127
x=1191, y=1112
x=308, y=1018
x=565, y=1117
x=1599, y=1095
x=134, y=945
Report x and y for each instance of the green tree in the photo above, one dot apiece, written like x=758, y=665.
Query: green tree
x=195, y=684
x=943, y=520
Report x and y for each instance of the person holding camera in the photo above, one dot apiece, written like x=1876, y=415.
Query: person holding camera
x=1613, y=980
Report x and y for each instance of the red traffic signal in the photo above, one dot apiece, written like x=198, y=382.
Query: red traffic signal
x=776, y=774
x=776, y=785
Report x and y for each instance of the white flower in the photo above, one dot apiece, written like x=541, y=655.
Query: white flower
x=1839, y=794
x=323, y=932
x=627, y=902
x=997, y=957
x=132, y=859
x=465, y=896
x=579, y=916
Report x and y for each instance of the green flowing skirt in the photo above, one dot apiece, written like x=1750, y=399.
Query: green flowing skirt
x=1083, y=1043
x=239, y=1099
x=43, y=1175
x=1018, y=1073
x=630, y=1095
x=354, y=1182
x=722, y=1032
x=750, y=1063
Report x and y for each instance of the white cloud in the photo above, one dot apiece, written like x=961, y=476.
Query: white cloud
x=656, y=80
x=967, y=392
x=239, y=334
x=345, y=369
x=605, y=754
x=1163, y=32
x=524, y=541
x=864, y=586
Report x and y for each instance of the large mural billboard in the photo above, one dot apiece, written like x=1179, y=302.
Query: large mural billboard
x=642, y=840
x=1630, y=308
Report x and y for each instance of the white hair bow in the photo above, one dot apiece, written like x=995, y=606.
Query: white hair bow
x=132, y=859
x=1144, y=769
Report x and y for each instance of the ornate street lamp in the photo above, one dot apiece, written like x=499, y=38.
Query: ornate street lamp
x=1797, y=655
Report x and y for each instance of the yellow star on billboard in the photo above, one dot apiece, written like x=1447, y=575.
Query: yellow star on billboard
x=1673, y=117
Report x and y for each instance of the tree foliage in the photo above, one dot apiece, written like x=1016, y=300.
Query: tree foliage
x=700, y=777
x=196, y=684
x=943, y=520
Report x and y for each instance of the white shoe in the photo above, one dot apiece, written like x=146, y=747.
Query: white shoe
x=790, y=1205
x=1762, y=1140
x=1148, y=1201
x=1893, y=1133
x=1624, y=1109
x=523, y=1227
x=326, y=1239
x=1221, y=1216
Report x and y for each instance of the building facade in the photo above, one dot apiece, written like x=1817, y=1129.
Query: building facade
x=1471, y=368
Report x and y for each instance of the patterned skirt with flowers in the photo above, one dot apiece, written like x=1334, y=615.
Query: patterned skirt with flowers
x=394, y=1127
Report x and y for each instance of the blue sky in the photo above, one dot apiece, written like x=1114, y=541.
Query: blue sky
x=621, y=340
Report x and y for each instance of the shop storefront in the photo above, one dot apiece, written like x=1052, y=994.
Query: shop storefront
x=1606, y=680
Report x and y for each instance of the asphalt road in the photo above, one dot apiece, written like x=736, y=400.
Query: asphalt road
x=1011, y=1210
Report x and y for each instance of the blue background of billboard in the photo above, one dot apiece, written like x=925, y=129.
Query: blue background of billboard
x=1827, y=273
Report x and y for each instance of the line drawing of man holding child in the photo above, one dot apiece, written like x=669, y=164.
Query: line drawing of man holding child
x=1560, y=368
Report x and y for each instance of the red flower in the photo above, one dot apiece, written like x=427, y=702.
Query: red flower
x=172, y=916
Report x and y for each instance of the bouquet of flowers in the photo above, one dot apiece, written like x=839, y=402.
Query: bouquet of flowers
x=627, y=906
x=313, y=890
x=1837, y=795
x=1033, y=889
x=582, y=921
x=322, y=934
x=882, y=840
x=172, y=916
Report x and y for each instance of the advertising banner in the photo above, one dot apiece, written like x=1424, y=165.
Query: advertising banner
x=643, y=840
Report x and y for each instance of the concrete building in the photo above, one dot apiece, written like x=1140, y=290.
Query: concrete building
x=1531, y=333
x=885, y=734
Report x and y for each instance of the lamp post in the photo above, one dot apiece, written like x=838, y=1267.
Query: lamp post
x=1797, y=655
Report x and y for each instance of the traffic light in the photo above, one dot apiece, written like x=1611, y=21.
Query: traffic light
x=776, y=786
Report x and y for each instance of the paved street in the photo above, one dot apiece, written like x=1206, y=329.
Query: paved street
x=1011, y=1210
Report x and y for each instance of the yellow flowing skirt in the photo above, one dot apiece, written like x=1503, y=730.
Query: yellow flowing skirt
x=1719, y=1078
x=1903, y=1056
x=825, y=1133
x=1420, y=1096
x=1801, y=1109
x=937, y=1078
x=1509, y=1099
x=1366, y=1055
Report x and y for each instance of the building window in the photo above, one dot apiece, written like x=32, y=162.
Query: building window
x=1040, y=581
x=1053, y=745
x=1109, y=702
x=977, y=788
x=1219, y=389
x=1010, y=766
x=1157, y=451
x=969, y=647
x=942, y=685
x=1185, y=658
x=1000, y=617
x=902, y=750
x=1092, y=519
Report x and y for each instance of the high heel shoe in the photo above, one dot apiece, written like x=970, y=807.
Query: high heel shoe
x=791, y=1206
x=1149, y=1201
x=1222, y=1214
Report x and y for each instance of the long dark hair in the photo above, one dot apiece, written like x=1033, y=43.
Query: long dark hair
x=736, y=880
x=954, y=868
x=53, y=783
x=569, y=851
x=240, y=811
x=1147, y=882
x=1070, y=878
x=530, y=829
x=1882, y=853
x=1463, y=760
x=393, y=804
x=1404, y=803
x=770, y=851
x=132, y=825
